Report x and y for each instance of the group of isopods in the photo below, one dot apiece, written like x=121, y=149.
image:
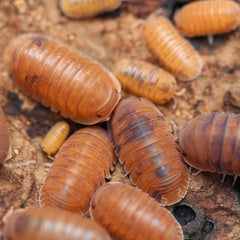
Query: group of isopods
x=138, y=135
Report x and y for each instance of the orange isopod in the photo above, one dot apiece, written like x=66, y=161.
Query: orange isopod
x=80, y=167
x=5, y=150
x=129, y=214
x=145, y=80
x=36, y=223
x=61, y=78
x=87, y=8
x=211, y=17
x=174, y=52
x=147, y=149
x=211, y=142
x=55, y=137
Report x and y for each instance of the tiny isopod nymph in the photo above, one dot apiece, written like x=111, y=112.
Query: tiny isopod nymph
x=5, y=149
x=87, y=8
x=147, y=148
x=62, y=79
x=36, y=223
x=174, y=52
x=55, y=137
x=129, y=214
x=209, y=17
x=145, y=80
x=211, y=142
x=80, y=167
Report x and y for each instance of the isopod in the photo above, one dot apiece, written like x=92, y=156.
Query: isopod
x=80, y=167
x=147, y=149
x=5, y=149
x=174, y=52
x=209, y=17
x=129, y=214
x=36, y=223
x=55, y=137
x=145, y=80
x=62, y=78
x=87, y=8
x=211, y=142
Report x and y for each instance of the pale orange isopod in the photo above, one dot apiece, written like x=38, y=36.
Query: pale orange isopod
x=145, y=80
x=208, y=17
x=87, y=8
x=80, y=167
x=36, y=223
x=55, y=137
x=174, y=52
x=147, y=148
x=130, y=214
x=5, y=149
x=62, y=78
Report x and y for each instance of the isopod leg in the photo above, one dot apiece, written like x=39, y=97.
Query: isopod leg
x=234, y=180
x=210, y=41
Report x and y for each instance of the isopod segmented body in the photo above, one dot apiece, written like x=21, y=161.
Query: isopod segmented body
x=55, y=137
x=209, y=17
x=51, y=223
x=87, y=8
x=129, y=214
x=80, y=167
x=211, y=142
x=174, y=52
x=145, y=80
x=61, y=78
x=147, y=149
x=5, y=149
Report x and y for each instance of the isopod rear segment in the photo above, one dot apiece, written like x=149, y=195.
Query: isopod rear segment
x=5, y=149
x=87, y=8
x=80, y=167
x=36, y=223
x=130, y=214
x=211, y=142
x=148, y=150
x=145, y=80
x=64, y=79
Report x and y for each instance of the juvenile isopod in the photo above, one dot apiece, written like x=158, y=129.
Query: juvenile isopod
x=80, y=167
x=62, y=78
x=36, y=223
x=145, y=80
x=5, y=149
x=174, y=52
x=129, y=214
x=208, y=17
x=147, y=149
x=87, y=8
x=211, y=142
x=55, y=137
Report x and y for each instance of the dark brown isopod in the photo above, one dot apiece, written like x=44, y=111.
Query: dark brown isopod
x=61, y=78
x=211, y=142
x=50, y=223
x=129, y=214
x=80, y=167
x=5, y=149
x=148, y=150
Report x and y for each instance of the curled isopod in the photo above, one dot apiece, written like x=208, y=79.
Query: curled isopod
x=5, y=149
x=147, y=149
x=80, y=167
x=208, y=17
x=211, y=142
x=174, y=52
x=61, y=78
x=87, y=8
x=55, y=137
x=36, y=223
x=145, y=80
x=129, y=214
